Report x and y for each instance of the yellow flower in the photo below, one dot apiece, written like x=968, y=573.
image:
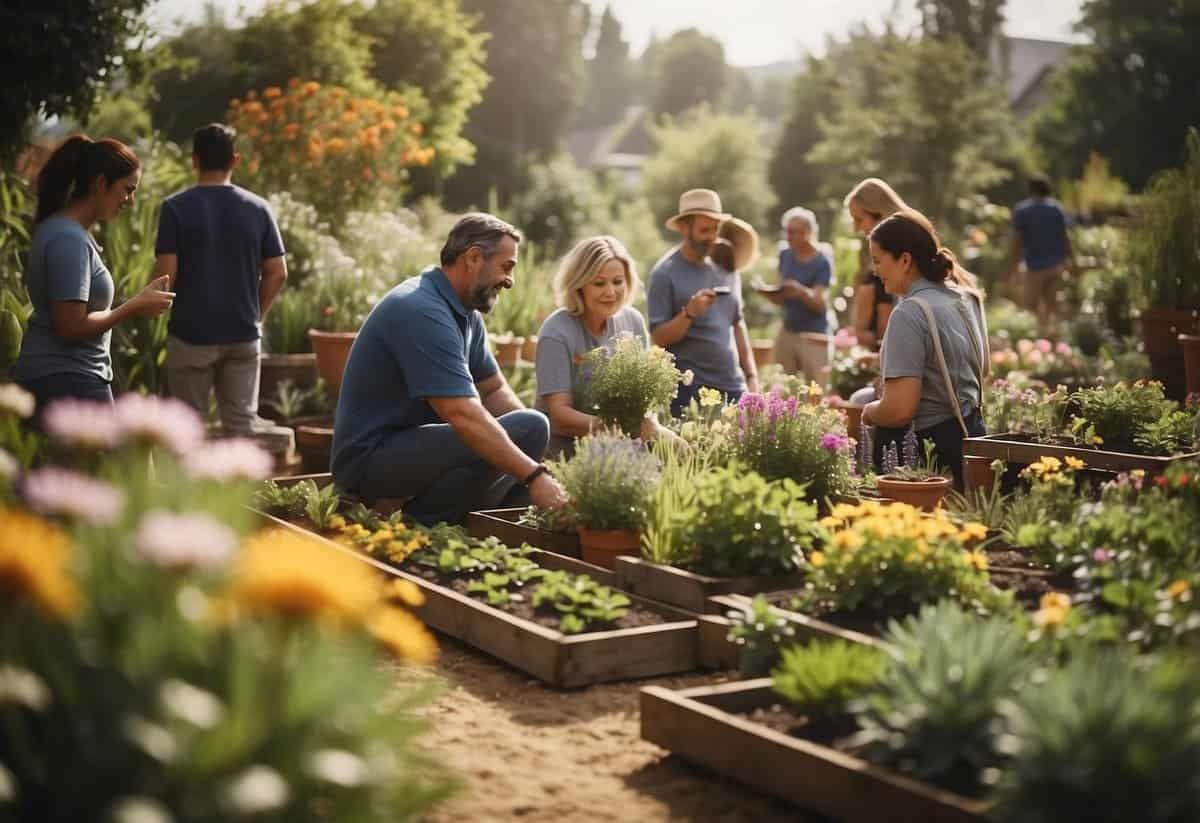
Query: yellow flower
x=977, y=559
x=407, y=592
x=831, y=522
x=974, y=531
x=848, y=540
x=709, y=397
x=815, y=390
x=404, y=634
x=1178, y=589
x=816, y=559
x=34, y=561
x=1052, y=464
x=382, y=536
x=1139, y=473
x=1075, y=463
x=1097, y=440
x=1054, y=608
x=337, y=522
x=285, y=572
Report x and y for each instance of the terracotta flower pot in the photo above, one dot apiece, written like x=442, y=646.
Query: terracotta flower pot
x=764, y=352
x=508, y=350
x=853, y=418
x=601, y=547
x=924, y=494
x=1191, y=360
x=1160, y=333
x=977, y=472
x=332, y=350
x=299, y=369
x=529, y=350
x=315, y=444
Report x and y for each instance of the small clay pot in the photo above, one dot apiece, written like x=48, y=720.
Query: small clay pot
x=602, y=547
x=924, y=494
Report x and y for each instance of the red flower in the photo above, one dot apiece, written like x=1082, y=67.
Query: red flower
x=1183, y=479
x=1160, y=481
x=327, y=311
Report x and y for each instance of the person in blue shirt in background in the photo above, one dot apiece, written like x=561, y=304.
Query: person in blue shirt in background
x=805, y=273
x=424, y=412
x=221, y=248
x=1042, y=243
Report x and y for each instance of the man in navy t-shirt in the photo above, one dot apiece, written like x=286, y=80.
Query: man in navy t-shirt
x=221, y=247
x=424, y=413
x=1041, y=241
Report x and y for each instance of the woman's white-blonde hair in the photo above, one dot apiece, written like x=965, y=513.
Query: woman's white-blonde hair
x=583, y=263
x=877, y=198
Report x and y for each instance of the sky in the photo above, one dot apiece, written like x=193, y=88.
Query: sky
x=754, y=32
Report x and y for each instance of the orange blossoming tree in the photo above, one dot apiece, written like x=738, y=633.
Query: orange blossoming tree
x=336, y=150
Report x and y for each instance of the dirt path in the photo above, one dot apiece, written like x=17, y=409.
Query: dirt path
x=536, y=755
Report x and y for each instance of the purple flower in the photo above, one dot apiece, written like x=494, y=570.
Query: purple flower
x=834, y=442
x=82, y=423
x=160, y=421
x=70, y=494
x=752, y=403
x=1101, y=556
x=910, y=447
x=234, y=459
x=890, y=459
x=180, y=541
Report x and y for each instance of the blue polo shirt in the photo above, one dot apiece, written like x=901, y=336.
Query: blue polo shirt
x=1042, y=223
x=418, y=342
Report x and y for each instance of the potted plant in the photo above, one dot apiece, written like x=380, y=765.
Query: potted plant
x=912, y=479
x=1163, y=252
x=608, y=481
x=624, y=383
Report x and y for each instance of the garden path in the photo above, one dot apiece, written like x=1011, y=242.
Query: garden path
x=534, y=754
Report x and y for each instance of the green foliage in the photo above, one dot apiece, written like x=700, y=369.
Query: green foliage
x=1098, y=192
x=580, y=600
x=291, y=402
x=624, y=383
x=760, y=631
x=704, y=149
x=1121, y=413
x=557, y=201
x=285, y=501
x=1167, y=233
x=610, y=75
x=64, y=51
x=983, y=504
x=1173, y=432
x=321, y=504
x=522, y=309
x=1008, y=321
x=822, y=677
x=675, y=491
x=1108, y=738
x=608, y=480
x=689, y=70
x=1144, y=49
x=793, y=176
x=932, y=711
x=977, y=23
x=16, y=211
x=739, y=523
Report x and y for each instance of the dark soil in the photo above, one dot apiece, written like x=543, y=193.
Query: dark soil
x=824, y=731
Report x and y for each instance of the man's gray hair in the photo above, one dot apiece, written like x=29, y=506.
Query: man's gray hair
x=801, y=213
x=476, y=229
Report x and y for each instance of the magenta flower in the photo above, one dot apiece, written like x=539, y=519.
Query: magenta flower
x=160, y=421
x=234, y=459
x=834, y=442
x=1064, y=349
x=185, y=541
x=1044, y=345
x=83, y=424
x=1101, y=556
x=70, y=494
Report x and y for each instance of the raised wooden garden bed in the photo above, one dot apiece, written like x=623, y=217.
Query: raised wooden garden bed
x=705, y=726
x=1021, y=449
x=502, y=524
x=561, y=660
x=688, y=590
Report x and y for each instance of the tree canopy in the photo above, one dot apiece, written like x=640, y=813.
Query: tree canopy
x=688, y=69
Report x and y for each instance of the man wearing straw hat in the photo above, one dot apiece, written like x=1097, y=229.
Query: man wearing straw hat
x=695, y=306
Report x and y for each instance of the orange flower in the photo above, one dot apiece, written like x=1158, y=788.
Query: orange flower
x=311, y=88
x=400, y=111
x=336, y=145
x=252, y=95
x=293, y=82
x=271, y=92
x=416, y=128
x=388, y=125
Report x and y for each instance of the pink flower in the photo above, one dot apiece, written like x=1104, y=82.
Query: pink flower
x=160, y=421
x=1034, y=356
x=844, y=339
x=1044, y=345
x=83, y=424
x=182, y=541
x=1101, y=556
x=834, y=442
x=1064, y=349
x=234, y=459
x=70, y=494
x=1024, y=346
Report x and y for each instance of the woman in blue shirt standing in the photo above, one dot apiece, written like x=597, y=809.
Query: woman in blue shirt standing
x=65, y=350
x=805, y=273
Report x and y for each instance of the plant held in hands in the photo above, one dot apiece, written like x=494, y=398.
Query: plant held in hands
x=623, y=383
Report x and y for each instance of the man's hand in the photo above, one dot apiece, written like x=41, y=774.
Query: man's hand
x=545, y=493
x=700, y=302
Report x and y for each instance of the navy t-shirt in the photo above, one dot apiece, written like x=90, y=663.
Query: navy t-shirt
x=815, y=271
x=418, y=342
x=1042, y=223
x=222, y=234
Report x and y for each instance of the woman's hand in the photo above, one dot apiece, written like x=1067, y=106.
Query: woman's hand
x=154, y=299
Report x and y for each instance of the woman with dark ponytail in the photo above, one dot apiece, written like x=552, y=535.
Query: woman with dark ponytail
x=934, y=355
x=65, y=351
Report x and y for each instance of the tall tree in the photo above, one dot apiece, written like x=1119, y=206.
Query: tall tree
x=56, y=54
x=688, y=69
x=1130, y=93
x=535, y=59
x=978, y=23
x=610, y=75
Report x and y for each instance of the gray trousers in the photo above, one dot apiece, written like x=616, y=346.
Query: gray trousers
x=231, y=368
x=443, y=477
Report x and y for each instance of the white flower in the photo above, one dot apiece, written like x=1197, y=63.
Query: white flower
x=59, y=491
x=257, y=789
x=196, y=706
x=139, y=810
x=238, y=458
x=15, y=399
x=176, y=541
x=688, y=377
x=23, y=687
x=8, y=465
x=339, y=767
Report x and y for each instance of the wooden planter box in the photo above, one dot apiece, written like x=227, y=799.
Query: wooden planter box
x=688, y=590
x=1018, y=449
x=502, y=524
x=560, y=660
x=700, y=725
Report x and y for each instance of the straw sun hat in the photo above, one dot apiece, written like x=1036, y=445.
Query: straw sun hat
x=705, y=202
x=745, y=242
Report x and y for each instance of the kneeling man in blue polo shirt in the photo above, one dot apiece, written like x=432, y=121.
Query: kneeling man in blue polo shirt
x=424, y=412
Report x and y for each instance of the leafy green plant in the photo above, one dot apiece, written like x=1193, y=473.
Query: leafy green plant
x=675, y=491
x=292, y=402
x=739, y=523
x=320, y=504
x=932, y=711
x=580, y=601
x=1108, y=738
x=822, y=677
x=608, y=480
x=760, y=631
x=283, y=500
x=984, y=504
x=1164, y=240
x=549, y=520
x=1171, y=433
x=624, y=383
x=912, y=468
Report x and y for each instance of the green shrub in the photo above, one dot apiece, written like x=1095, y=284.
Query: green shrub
x=822, y=677
x=624, y=382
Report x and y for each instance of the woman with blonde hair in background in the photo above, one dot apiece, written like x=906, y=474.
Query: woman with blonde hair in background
x=595, y=285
